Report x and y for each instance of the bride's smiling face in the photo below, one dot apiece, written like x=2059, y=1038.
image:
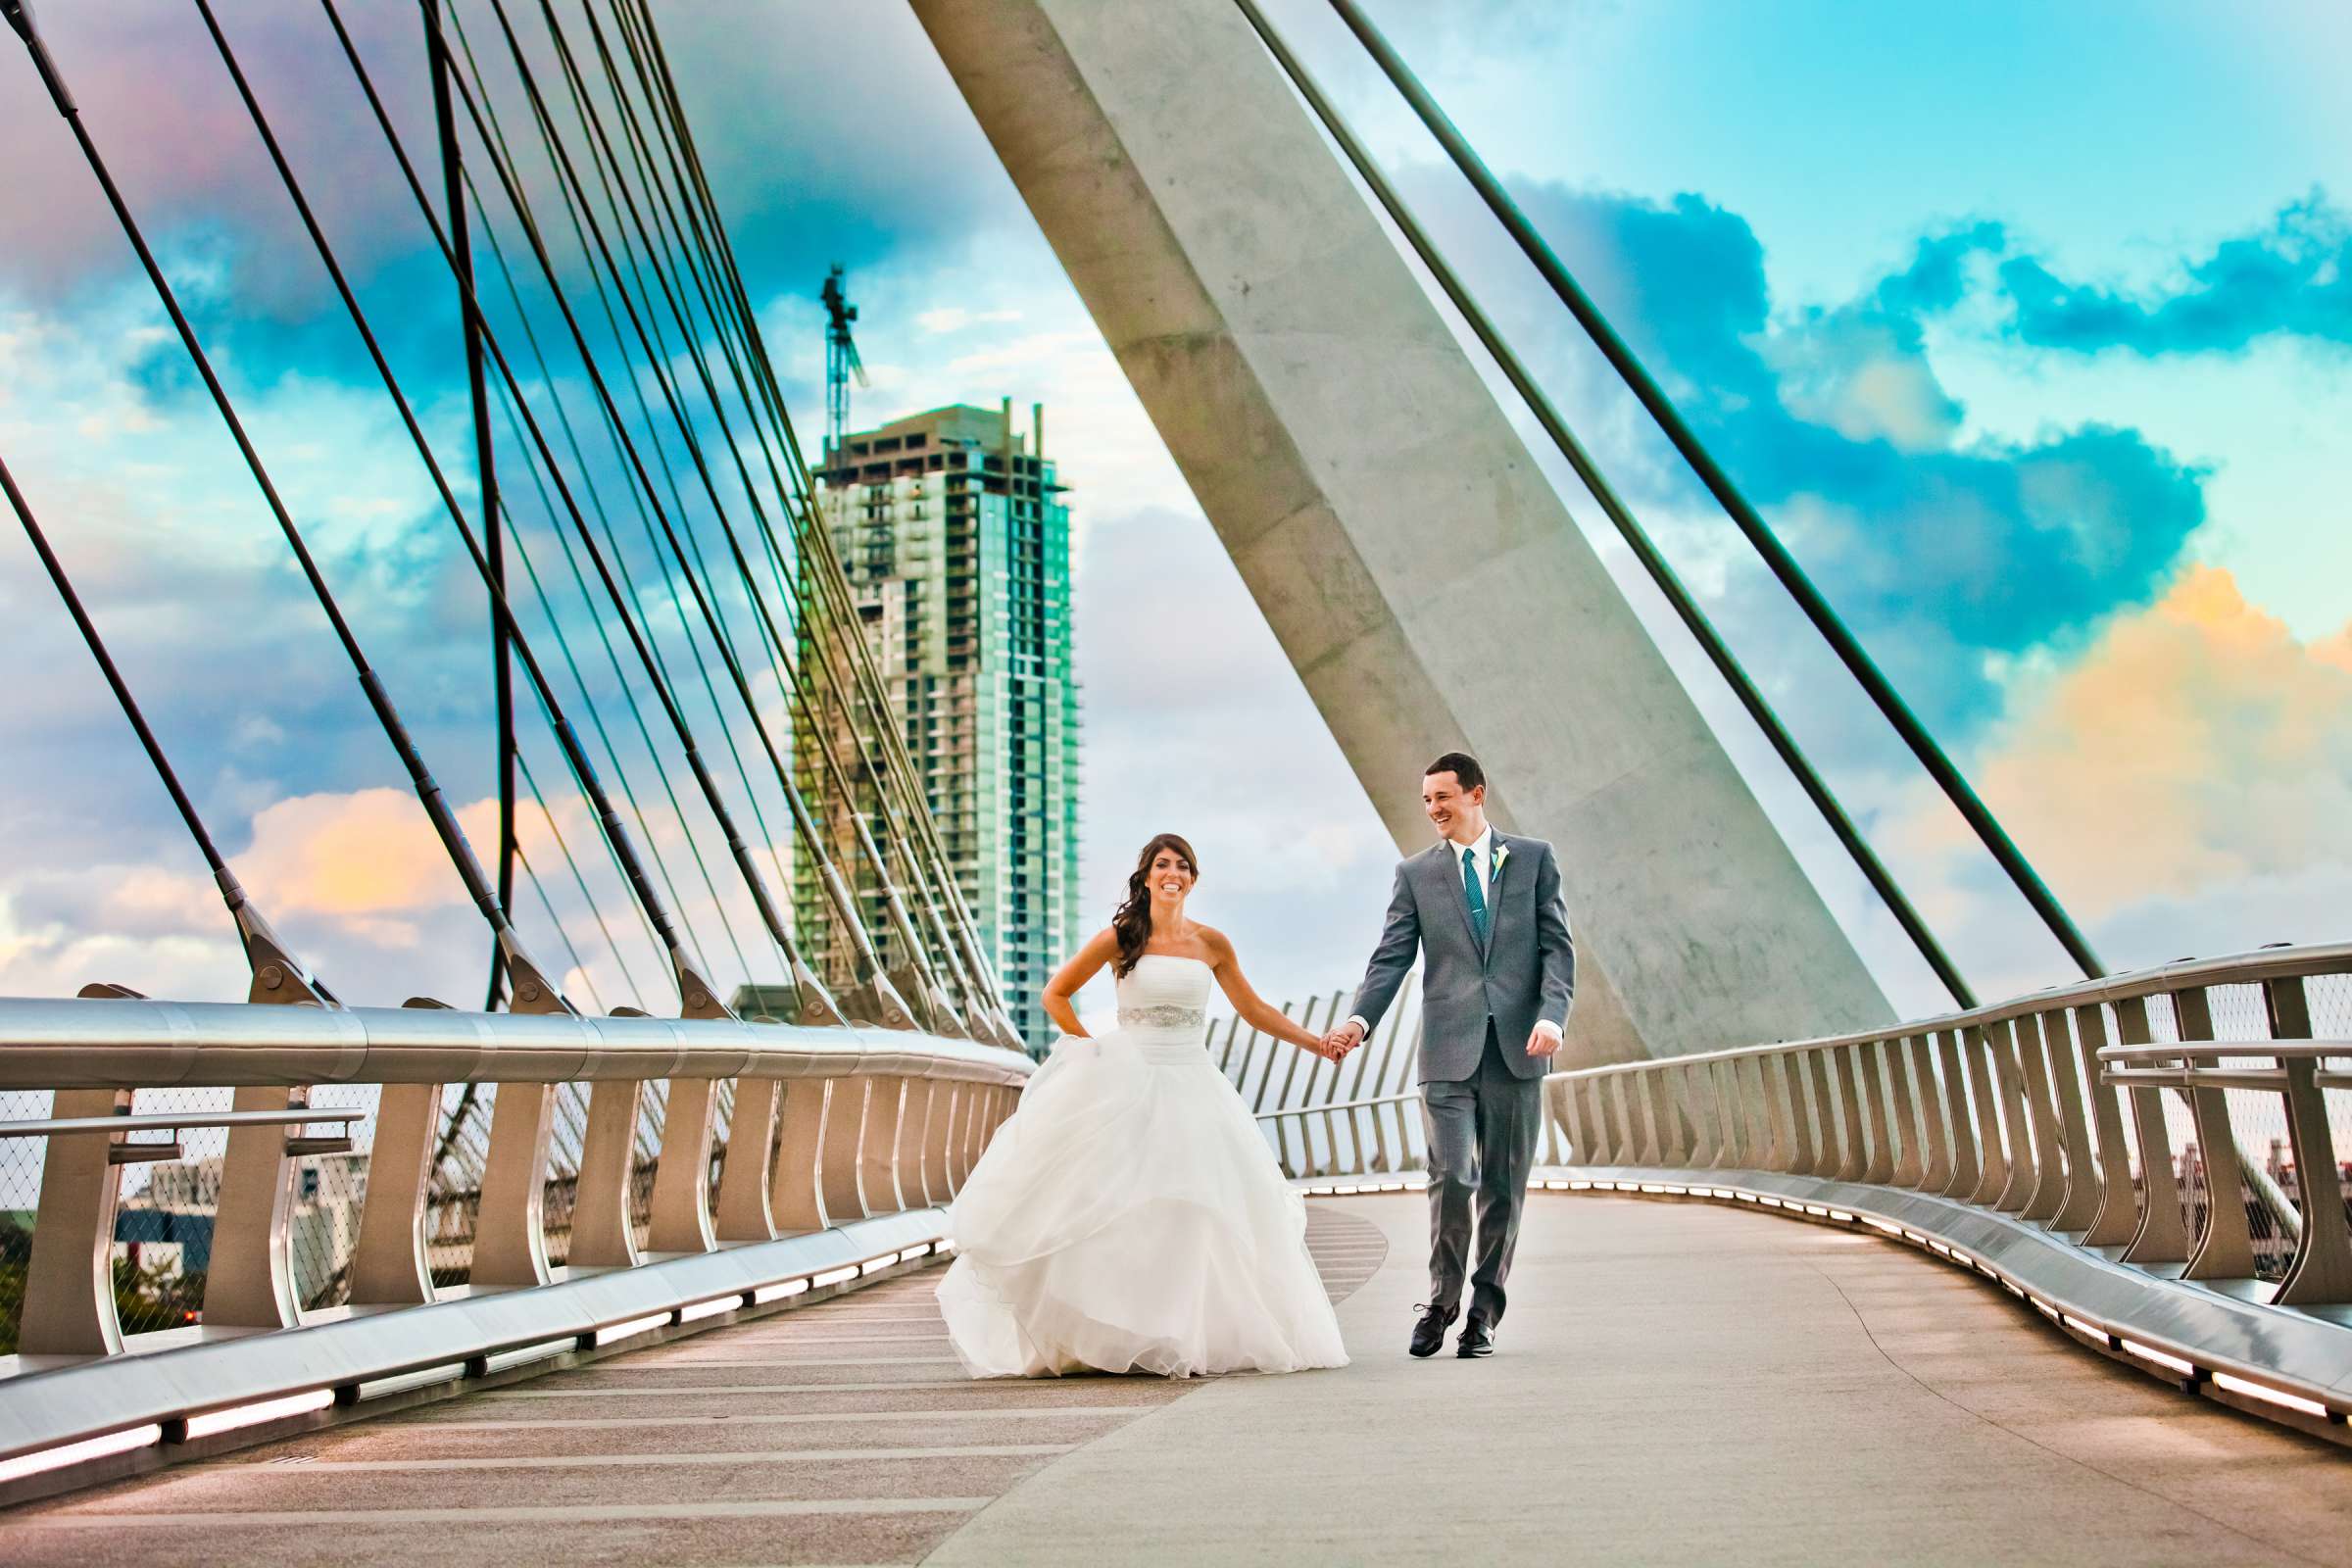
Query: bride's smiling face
x=1169, y=877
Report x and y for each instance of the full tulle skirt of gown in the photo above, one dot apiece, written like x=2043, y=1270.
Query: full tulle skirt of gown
x=1129, y=1218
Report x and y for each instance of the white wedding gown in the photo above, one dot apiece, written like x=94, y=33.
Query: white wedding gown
x=1130, y=1217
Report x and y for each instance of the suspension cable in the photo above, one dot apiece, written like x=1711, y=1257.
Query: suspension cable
x=1752, y=524
x=428, y=793
x=805, y=980
x=868, y=960
x=231, y=892
x=617, y=836
x=1645, y=551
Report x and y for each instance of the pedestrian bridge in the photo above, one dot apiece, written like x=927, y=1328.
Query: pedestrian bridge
x=1958, y=1290
x=2064, y=1277
x=1677, y=1383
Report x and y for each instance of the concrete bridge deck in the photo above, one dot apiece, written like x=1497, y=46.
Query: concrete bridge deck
x=1676, y=1383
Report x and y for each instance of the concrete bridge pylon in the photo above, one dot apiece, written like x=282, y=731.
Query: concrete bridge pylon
x=1416, y=565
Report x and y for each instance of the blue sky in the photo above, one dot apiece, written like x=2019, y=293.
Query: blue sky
x=2028, y=327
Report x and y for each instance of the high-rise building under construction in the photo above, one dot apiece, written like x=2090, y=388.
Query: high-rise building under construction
x=952, y=530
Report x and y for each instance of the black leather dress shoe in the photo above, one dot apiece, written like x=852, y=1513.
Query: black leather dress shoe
x=1430, y=1333
x=1478, y=1338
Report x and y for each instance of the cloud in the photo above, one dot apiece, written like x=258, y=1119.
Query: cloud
x=1951, y=558
x=2290, y=278
x=2196, y=747
x=955, y=319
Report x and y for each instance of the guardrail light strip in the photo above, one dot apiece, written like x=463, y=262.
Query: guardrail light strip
x=2148, y=1353
x=126, y=1440
x=632, y=1328
x=2257, y=1391
x=247, y=1415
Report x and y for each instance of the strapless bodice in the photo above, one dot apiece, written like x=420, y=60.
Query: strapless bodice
x=1164, y=1002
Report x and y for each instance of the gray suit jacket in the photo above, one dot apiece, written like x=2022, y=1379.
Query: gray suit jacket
x=1526, y=971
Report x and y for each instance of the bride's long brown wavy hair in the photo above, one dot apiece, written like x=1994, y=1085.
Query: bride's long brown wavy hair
x=1131, y=924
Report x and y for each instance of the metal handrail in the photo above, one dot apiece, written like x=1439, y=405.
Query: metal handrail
x=122, y=1042
x=1337, y=1106
x=2019, y=1108
x=853, y=1126
x=174, y=1123
x=2251, y=968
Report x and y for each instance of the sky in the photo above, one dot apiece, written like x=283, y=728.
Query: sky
x=2029, y=328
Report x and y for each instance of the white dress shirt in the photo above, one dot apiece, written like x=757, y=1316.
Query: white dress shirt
x=1482, y=856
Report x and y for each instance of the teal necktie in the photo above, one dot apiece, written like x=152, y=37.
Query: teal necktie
x=1476, y=895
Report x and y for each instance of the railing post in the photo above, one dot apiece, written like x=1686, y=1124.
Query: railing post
x=797, y=1196
x=1673, y=1138
x=1825, y=1158
x=603, y=1235
x=1747, y=1115
x=2117, y=1216
x=1956, y=1092
x=1879, y=1168
x=1853, y=1157
x=2161, y=1238
x=939, y=1141
x=878, y=1147
x=1607, y=1146
x=907, y=1157
x=2037, y=1058
x=2322, y=1271
x=390, y=1265
x=1935, y=1133
x=1771, y=1153
x=742, y=1213
x=250, y=1283
x=1625, y=1142
x=848, y=1105
x=1559, y=1099
x=2224, y=1249
x=2006, y=1044
x=70, y=1279
x=510, y=1233
x=680, y=1219
x=1909, y=1165
x=2081, y=1204
x=965, y=1146
x=1648, y=1115
x=1992, y=1153
x=1698, y=1092
x=1784, y=1142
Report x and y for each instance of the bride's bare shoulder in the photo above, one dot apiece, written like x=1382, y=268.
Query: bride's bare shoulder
x=1219, y=946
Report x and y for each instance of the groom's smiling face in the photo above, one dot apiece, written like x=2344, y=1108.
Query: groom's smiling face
x=1454, y=811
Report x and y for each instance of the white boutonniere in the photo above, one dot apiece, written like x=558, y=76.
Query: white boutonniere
x=1503, y=856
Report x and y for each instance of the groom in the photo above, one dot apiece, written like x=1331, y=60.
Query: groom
x=1483, y=908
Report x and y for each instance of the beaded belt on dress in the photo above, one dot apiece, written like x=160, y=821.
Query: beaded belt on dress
x=1163, y=1015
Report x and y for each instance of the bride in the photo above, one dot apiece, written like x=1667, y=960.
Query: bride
x=1130, y=1216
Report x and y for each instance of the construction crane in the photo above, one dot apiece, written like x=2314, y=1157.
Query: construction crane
x=841, y=360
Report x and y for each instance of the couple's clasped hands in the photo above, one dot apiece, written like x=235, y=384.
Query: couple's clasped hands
x=1541, y=1041
x=1338, y=1042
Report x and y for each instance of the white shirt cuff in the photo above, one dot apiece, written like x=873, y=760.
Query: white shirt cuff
x=1544, y=1026
x=1357, y=1019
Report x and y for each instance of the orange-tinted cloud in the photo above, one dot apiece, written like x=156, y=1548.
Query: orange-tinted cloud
x=2196, y=744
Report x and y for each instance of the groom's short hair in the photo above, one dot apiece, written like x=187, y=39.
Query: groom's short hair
x=1462, y=766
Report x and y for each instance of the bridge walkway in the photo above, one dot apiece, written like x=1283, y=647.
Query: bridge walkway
x=1676, y=1383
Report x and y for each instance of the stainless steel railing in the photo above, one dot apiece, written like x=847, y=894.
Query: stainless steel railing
x=1357, y=1117
x=765, y=1131
x=2008, y=1107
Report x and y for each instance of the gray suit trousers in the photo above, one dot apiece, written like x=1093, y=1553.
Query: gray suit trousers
x=1481, y=1144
